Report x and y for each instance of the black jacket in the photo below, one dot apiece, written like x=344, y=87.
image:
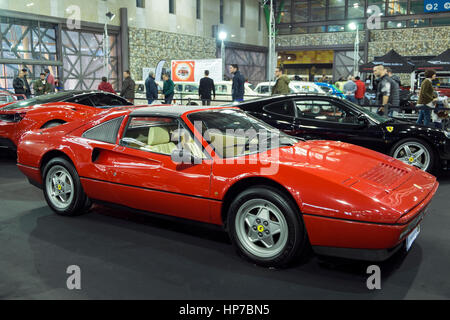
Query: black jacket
x=21, y=86
x=205, y=88
x=128, y=88
x=237, y=89
x=388, y=86
x=151, y=89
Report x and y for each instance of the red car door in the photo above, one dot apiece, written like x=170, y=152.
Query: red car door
x=146, y=178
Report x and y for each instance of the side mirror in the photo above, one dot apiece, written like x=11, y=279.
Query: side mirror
x=362, y=120
x=183, y=156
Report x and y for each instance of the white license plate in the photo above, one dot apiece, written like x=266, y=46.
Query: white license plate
x=412, y=236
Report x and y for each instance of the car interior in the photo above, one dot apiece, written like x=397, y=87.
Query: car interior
x=324, y=111
x=160, y=136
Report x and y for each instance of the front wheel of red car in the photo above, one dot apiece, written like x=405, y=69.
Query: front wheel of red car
x=62, y=188
x=266, y=228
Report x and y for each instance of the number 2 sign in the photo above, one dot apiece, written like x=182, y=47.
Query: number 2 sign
x=436, y=5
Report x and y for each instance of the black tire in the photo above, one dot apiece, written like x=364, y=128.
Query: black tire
x=77, y=203
x=419, y=143
x=296, y=239
x=53, y=123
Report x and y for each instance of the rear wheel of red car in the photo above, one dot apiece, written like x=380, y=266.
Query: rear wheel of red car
x=62, y=188
x=266, y=228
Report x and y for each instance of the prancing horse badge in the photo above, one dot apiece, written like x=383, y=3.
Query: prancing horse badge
x=390, y=129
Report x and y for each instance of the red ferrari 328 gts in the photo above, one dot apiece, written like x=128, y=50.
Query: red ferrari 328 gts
x=273, y=193
x=51, y=110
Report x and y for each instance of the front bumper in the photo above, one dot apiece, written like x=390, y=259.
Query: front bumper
x=363, y=240
x=374, y=255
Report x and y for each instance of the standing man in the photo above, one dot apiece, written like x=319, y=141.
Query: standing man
x=151, y=89
x=21, y=86
x=237, y=89
x=393, y=76
x=168, y=89
x=350, y=89
x=105, y=86
x=50, y=79
x=41, y=86
x=282, y=84
x=387, y=91
x=360, y=91
x=205, y=88
x=427, y=98
x=128, y=87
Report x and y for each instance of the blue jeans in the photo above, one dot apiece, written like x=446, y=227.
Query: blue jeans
x=424, y=116
x=352, y=98
x=150, y=101
x=438, y=125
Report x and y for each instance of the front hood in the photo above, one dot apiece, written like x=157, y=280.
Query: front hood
x=359, y=183
x=407, y=126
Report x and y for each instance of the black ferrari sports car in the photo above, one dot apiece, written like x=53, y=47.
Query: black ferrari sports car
x=316, y=116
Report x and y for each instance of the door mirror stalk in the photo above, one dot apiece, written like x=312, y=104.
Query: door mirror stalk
x=183, y=156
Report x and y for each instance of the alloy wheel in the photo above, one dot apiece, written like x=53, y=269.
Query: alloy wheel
x=413, y=153
x=60, y=187
x=261, y=228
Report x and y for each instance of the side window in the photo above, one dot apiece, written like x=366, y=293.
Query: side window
x=105, y=132
x=322, y=110
x=326, y=89
x=112, y=100
x=140, y=88
x=284, y=108
x=178, y=88
x=191, y=88
x=221, y=89
x=265, y=89
x=99, y=100
x=84, y=100
x=159, y=135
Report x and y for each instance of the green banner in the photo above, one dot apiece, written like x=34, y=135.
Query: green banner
x=277, y=18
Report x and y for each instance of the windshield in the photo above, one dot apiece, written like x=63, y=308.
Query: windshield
x=372, y=115
x=233, y=133
x=54, y=97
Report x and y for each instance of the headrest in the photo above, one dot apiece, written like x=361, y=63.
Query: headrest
x=158, y=135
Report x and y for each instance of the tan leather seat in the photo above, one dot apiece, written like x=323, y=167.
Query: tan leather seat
x=159, y=141
x=188, y=143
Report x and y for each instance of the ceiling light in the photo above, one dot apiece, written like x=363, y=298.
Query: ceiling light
x=222, y=35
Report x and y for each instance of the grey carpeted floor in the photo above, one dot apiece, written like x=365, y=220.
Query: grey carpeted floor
x=124, y=255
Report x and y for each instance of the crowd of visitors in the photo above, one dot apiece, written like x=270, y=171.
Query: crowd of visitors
x=431, y=109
